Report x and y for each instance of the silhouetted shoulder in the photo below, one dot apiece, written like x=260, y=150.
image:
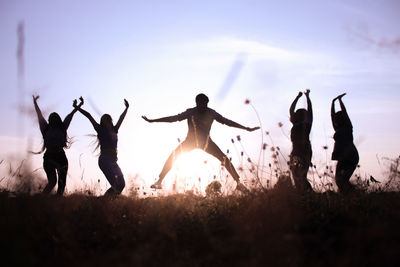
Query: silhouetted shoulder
x=215, y=115
x=184, y=115
x=218, y=117
x=189, y=110
x=212, y=111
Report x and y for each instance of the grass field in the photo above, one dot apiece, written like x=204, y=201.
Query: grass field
x=277, y=227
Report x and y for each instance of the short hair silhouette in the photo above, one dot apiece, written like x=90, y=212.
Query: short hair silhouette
x=300, y=115
x=344, y=150
x=200, y=119
x=201, y=100
x=300, y=157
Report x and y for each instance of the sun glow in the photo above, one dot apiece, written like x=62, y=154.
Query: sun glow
x=193, y=171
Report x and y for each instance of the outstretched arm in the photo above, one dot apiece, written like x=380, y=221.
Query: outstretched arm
x=163, y=119
x=309, y=106
x=293, y=106
x=231, y=123
x=174, y=118
x=122, y=117
x=41, y=120
x=86, y=114
x=68, y=118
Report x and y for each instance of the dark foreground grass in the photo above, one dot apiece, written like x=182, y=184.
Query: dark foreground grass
x=276, y=228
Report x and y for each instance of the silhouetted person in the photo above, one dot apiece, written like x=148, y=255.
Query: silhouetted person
x=200, y=119
x=55, y=139
x=107, y=135
x=300, y=157
x=344, y=150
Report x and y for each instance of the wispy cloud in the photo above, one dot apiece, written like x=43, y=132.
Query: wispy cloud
x=253, y=49
x=232, y=76
x=391, y=44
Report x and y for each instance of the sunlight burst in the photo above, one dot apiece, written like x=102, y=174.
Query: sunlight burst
x=193, y=171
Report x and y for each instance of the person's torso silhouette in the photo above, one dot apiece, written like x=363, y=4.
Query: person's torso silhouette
x=199, y=119
x=343, y=135
x=300, y=132
x=199, y=122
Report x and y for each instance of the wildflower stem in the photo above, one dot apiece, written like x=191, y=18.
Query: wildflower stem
x=262, y=142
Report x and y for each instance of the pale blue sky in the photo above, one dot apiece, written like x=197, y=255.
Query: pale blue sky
x=160, y=54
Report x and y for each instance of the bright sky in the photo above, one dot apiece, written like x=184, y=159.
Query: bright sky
x=160, y=54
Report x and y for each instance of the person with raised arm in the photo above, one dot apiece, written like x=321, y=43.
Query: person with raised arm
x=107, y=135
x=300, y=157
x=200, y=119
x=344, y=150
x=55, y=139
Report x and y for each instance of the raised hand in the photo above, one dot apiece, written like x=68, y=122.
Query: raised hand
x=126, y=103
x=252, y=129
x=146, y=119
x=35, y=97
x=75, y=103
x=307, y=92
x=339, y=96
x=299, y=94
x=81, y=101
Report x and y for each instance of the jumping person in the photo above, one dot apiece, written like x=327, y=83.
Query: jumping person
x=55, y=139
x=344, y=151
x=107, y=135
x=200, y=119
x=300, y=157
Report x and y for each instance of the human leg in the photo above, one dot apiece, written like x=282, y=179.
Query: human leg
x=344, y=171
x=182, y=147
x=299, y=168
x=214, y=150
x=62, y=170
x=50, y=169
x=113, y=173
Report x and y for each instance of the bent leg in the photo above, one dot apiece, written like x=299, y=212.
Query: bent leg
x=214, y=150
x=299, y=169
x=344, y=171
x=51, y=174
x=182, y=147
x=113, y=173
x=62, y=171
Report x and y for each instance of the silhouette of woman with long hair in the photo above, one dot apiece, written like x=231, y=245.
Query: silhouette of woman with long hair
x=55, y=139
x=107, y=135
x=300, y=157
x=200, y=119
x=344, y=151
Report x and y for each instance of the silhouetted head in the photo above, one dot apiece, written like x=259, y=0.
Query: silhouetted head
x=106, y=121
x=338, y=119
x=55, y=120
x=201, y=102
x=300, y=115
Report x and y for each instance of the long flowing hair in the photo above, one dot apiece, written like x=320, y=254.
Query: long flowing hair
x=55, y=122
x=105, y=120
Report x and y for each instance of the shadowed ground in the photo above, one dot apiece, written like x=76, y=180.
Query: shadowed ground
x=276, y=227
